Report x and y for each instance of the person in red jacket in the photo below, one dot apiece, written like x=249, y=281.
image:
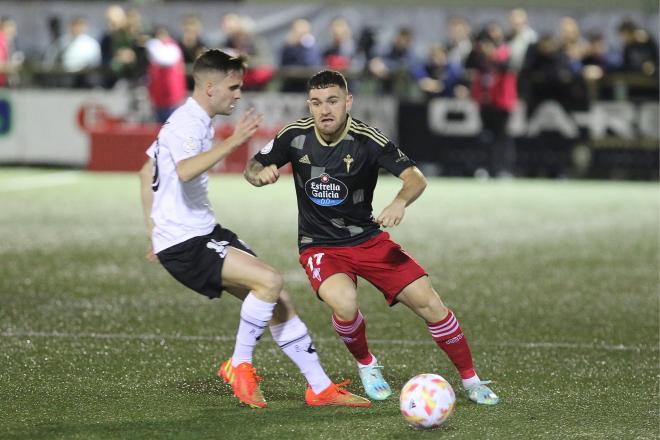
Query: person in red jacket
x=494, y=88
x=8, y=63
x=166, y=74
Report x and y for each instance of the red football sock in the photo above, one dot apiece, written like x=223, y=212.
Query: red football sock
x=354, y=335
x=449, y=336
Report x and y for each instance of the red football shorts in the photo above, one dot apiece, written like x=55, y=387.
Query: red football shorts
x=378, y=260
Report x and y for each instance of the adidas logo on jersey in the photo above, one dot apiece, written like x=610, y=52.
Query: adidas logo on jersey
x=305, y=159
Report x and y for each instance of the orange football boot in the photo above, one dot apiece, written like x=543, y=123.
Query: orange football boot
x=335, y=395
x=244, y=381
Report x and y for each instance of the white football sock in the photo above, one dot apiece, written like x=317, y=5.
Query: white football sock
x=294, y=340
x=373, y=362
x=255, y=315
x=467, y=383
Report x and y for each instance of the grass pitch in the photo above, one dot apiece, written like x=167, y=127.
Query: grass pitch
x=555, y=284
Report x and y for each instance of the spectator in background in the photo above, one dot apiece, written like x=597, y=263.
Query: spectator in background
x=574, y=47
x=229, y=25
x=395, y=68
x=166, y=76
x=339, y=54
x=521, y=37
x=118, y=56
x=191, y=44
x=547, y=73
x=136, y=29
x=53, y=48
x=299, y=50
x=494, y=88
x=640, y=52
x=459, y=43
x=366, y=47
x=80, y=54
x=571, y=42
x=437, y=76
x=242, y=40
x=597, y=58
x=139, y=34
x=54, y=29
x=10, y=59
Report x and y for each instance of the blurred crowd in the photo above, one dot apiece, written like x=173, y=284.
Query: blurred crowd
x=496, y=64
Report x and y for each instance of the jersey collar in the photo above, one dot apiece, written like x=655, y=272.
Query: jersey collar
x=198, y=111
x=341, y=138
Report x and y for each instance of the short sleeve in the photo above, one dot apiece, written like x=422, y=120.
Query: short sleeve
x=184, y=146
x=393, y=159
x=151, y=151
x=274, y=152
x=183, y=142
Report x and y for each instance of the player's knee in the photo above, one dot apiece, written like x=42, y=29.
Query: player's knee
x=432, y=309
x=343, y=302
x=346, y=309
x=272, y=283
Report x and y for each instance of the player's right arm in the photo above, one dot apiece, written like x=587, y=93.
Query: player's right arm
x=263, y=168
x=259, y=175
x=188, y=169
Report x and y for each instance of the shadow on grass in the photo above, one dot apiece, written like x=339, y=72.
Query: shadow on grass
x=203, y=385
x=282, y=421
x=214, y=386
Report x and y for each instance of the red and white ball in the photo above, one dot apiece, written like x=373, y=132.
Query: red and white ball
x=427, y=401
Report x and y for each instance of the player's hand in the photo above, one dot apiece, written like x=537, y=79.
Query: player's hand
x=268, y=175
x=149, y=255
x=247, y=125
x=393, y=214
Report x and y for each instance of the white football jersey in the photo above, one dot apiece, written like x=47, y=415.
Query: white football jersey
x=180, y=210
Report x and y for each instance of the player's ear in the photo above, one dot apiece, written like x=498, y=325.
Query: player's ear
x=349, y=102
x=208, y=87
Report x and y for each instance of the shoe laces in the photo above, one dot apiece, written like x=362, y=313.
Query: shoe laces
x=250, y=374
x=372, y=373
x=380, y=367
x=478, y=384
x=340, y=386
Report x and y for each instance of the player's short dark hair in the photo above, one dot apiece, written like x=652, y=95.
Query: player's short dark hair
x=218, y=61
x=327, y=78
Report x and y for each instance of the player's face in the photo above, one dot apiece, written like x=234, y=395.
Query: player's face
x=224, y=91
x=329, y=107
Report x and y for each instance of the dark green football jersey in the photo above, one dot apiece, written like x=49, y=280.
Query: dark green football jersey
x=334, y=182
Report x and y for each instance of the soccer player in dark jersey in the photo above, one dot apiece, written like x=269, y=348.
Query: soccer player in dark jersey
x=335, y=160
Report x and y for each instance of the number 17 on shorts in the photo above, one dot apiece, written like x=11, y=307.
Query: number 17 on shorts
x=313, y=263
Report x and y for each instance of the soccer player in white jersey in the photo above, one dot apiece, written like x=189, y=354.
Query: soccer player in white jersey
x=208, y=258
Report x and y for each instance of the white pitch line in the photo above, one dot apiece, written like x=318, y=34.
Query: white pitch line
x=32, y=181
x=175, y=337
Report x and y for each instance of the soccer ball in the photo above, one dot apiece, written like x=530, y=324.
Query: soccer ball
x=427, y=401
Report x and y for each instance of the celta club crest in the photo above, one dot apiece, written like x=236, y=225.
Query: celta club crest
x=348, y=160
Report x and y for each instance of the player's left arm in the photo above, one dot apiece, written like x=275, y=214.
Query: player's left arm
x=413, y=186
x=147, y=197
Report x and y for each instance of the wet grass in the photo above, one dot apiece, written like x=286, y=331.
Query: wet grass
x=555, y=284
